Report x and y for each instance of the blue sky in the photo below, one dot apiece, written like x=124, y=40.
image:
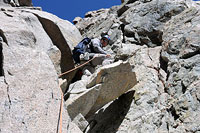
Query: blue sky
x=69, y=9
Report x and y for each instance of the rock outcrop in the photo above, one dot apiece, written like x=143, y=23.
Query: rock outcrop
x=152, y=86
x=31, y=60
x=107, y=84
x=160, y=39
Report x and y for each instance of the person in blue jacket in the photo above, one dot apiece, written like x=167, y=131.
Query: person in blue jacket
x=95, y=49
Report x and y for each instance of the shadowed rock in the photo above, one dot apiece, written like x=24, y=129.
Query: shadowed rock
x=65, y=36
x=108, y=83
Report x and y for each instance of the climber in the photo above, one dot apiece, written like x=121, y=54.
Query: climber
x=89, y=48
x=94, y=48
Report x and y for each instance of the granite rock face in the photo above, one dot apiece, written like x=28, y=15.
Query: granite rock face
x=160, y=39
x=152, y=86
x=29, y=90
x=107, y=84
x=181, y=51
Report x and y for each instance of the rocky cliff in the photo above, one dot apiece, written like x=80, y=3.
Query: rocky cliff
x=160, y=39
x=35, y=47
x=152, y=86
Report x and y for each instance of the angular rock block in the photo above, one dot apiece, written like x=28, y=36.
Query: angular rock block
x=107, y=84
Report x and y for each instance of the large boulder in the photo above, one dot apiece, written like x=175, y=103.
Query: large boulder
x=56, y=32
x=30, y=97
x=107, y=84
x=62, y=33
x=64, y=36
x=184, y=42
x=144, y=21
x=29, y=90
x=119, y=74
x=126, y=51
x=81, y=102
x=136, y=110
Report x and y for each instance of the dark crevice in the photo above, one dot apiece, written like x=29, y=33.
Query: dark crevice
x=113, y=115
x=122, y=26
x=88, y=26
x=1, y=60
x=168, y=127
x=77, y=76
x=88, y=15
x=91, y=125
x=164, y=67
x=122, y=57
x=166, y=17
x=131, y=34
x=3, y=36
x=10, y=73
x=156, y=37
x=163, y=64
x=198, y=99
x=58, y=40
x=166, y=89
x=167, y=75
x=189, y=55
x=131, y=1
x=7, y=14
x=122, y=10
x=184, y=88
x=173, y=112
x=52, y=95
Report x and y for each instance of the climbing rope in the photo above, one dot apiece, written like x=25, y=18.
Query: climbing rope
x=59, y=126
x=76, y=67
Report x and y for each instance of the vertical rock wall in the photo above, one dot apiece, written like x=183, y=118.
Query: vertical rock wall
x=160, y=39
x=29, y=91
x=157, y=41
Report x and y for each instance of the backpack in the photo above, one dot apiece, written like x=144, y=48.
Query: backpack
x=80, y=49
